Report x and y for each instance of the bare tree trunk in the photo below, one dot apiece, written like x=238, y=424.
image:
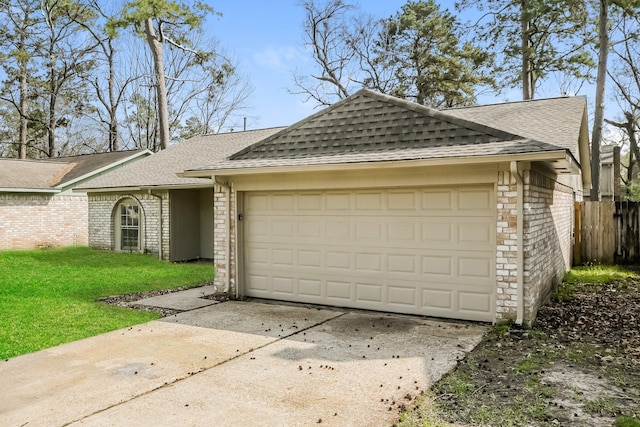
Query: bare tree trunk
x=113, y=104
x=161, y=89
x=596, y=136
x=24, y=106
x=527, y=72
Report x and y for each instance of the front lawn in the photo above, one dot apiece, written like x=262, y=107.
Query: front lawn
x=47, y=297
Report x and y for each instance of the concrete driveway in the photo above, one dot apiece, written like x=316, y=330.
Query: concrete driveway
x=238, y=364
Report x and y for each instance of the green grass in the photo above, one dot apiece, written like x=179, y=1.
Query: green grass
x=47, y=297
x=598, y=274
x=624, y=421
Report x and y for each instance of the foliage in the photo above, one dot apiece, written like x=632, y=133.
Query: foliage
x=431, y=65
x=47, y=297
x=163, y=22
x=631, y=192
x=418, y=54
x=73, y=84
x=540, y=38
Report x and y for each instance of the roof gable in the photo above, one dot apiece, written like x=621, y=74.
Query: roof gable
x=160, y=170
x=60, y=173
x=371, y=122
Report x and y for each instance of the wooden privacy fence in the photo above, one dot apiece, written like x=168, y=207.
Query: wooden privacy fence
x=607, y=232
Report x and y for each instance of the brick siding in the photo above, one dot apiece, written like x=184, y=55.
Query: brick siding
x=102, y=214
x=29, y=221
x=506, y=247
x=548, y=226
x=223, y=239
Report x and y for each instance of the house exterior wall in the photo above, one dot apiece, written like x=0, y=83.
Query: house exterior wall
x=547, y=245
x=156, y=216
x=29, y=221
x=225, y=236
x=506, y=247
x=548, y=241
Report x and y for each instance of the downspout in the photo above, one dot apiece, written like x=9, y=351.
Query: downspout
x=235, y=248
x=227, y=278
x=161, y=221
x=519, y=240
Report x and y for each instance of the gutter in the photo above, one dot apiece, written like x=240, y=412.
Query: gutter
x=520, y=239
x=161, y=221
x=29, y=190
x=227, y=278
x=562, y=155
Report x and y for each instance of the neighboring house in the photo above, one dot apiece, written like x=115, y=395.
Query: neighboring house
x=38, y=207
x=382, y=204
x=607, y=181
x=146, y=207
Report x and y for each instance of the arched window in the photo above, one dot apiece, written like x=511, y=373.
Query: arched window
x=128, y=225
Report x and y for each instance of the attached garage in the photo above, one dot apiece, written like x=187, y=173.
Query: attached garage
x=378, y=203
x=427, y=251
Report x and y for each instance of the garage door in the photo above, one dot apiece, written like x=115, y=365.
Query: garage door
x=428, y=251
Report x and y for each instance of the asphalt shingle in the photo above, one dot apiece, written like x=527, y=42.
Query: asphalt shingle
x=160, y=169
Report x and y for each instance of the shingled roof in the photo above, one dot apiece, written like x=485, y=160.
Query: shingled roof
x=160, y=169
x=552, y=120
x=53, y=175
x=372, y=127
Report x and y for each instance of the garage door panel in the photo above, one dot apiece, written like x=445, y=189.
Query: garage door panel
x=402, y=263
x=338, y=260
x=283, y=285
x=475, y=233
x=368, y=263
x=369, y=201
x=437, y=299
x=338, y=230
x=402, y=232
x=369, y=292
x=437, y=265
x=474, y=200
x=437, y=201
x=369, y=230
x=476, y=268
x=402, y=200
x=310, y=202
x=257, y=283
x=339, y=291
x=310, y=288
x=475, y=304
x=416, y=251
x=338, y=202
x=310, y=258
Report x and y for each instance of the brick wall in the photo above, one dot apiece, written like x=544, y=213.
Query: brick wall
x=224, y=235
x=102, y=214
x=548, y=226
x=506, y=247
x=29, y=221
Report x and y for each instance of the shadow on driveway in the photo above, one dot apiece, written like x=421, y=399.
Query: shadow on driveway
x=238, y=363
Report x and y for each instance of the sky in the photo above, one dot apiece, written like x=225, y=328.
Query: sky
x=266, y=39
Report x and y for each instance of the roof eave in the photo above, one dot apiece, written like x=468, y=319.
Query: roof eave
x=86, y=176
x=30, y=190
x=565, y=158
x=144, y=188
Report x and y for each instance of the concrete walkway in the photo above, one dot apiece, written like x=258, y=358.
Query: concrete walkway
x=237, y=364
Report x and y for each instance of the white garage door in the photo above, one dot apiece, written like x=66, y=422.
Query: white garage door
x=428, y=251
